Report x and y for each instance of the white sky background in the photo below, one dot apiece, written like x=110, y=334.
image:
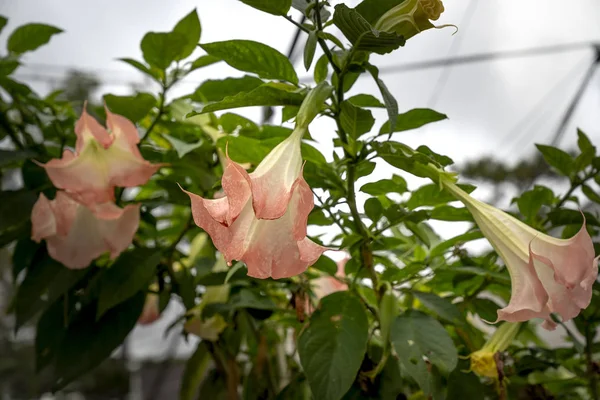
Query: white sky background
x=484, y=101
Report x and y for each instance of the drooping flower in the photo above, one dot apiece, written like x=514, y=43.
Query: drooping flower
x=548, y=275
x=483, y=361
x=102, y=160
x=411, y=17
x=262, y=219
x=76, y=234
x=151, y=311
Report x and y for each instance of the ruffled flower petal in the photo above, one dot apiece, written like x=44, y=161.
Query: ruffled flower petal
x=102, y=160
x=548, y=275
x=76, y=235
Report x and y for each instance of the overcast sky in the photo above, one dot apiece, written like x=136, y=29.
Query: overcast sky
x=485, y=102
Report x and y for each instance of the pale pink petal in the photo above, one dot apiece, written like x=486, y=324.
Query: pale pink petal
x=123, y=132
x=81, y=235
x=274, y=178
x=43, y=223
x=218, y=232
x=150, y=313
x=84, y=174
x=236, y=185
x=270, y=248
x=87, y=128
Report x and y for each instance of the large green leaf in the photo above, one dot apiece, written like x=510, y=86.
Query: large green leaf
x=189, y=27
x=362, y=35
x=255, y=57
x=182, y=148
x=46, y=281
x=49, y=331
x=431, y=195
x=133, y=108
x=131, y=273
x=217, y=90
x=356, y=121
x=160, y=49
x=275, y=7
x=3, y=22
x=15, y=212
x=333, y=344
x=372, y=10
x=87, y=341
x=29, y=37
x=269, y=94
x=441, y=306
x=391, y=104
x=8, y=157
x=416, y=335
x=384, y=186
x=557, y=158
x=413, y=119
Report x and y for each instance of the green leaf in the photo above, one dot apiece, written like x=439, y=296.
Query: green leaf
x=160, y=49
x=373, y=209
x=449, y=213
x=309, y=49
x=15, y=209
x=362, y=35
x=531, y=201
x=441, y=160
x=217, y=90
x=87, y=341
x=203, y=61
x=441, y=306
x=248, y=298
x=355, y=121
x=395, y=185
x=275, y=7
x=8, y=157
x=584, y=143
x=416, y=335
x=391, y=105
x=269, y=94
x=244, y=149
x=439, y=249
x=326, y=265
x=29, y=37
x=181, y=147
x=188, y=27
x=255, y=57
x=49, y=332
x=8, y=65
x=3, y=22
x=131, y=273
x=142, y=68
x=365, y=100
x=413, y=119
x=288, y=113
x=333, y=344
x=591, y=194
x=388, y=311
x=46, y=281
x=557, y=158
x=134, y=108
x=431, y=195
x=571, y=217
x=321, y=69
x=194, y=372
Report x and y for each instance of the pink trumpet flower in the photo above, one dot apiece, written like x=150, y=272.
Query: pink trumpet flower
x=76, y=235
x=548, y=275
x=262, y=219
x=102, y=160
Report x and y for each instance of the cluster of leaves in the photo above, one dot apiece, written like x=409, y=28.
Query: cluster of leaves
x=414, y=302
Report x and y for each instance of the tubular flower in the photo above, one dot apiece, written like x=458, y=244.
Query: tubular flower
x=411, y=17
x=483, y=361
x=548, y=275
x=76, y=234
x=262, y=219
x=151, y=311
x=102, y=160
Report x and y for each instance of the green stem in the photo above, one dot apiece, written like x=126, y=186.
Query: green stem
x=589, y=353
x=322, y=42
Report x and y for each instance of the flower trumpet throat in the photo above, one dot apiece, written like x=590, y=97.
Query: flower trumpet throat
x=548, y=275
